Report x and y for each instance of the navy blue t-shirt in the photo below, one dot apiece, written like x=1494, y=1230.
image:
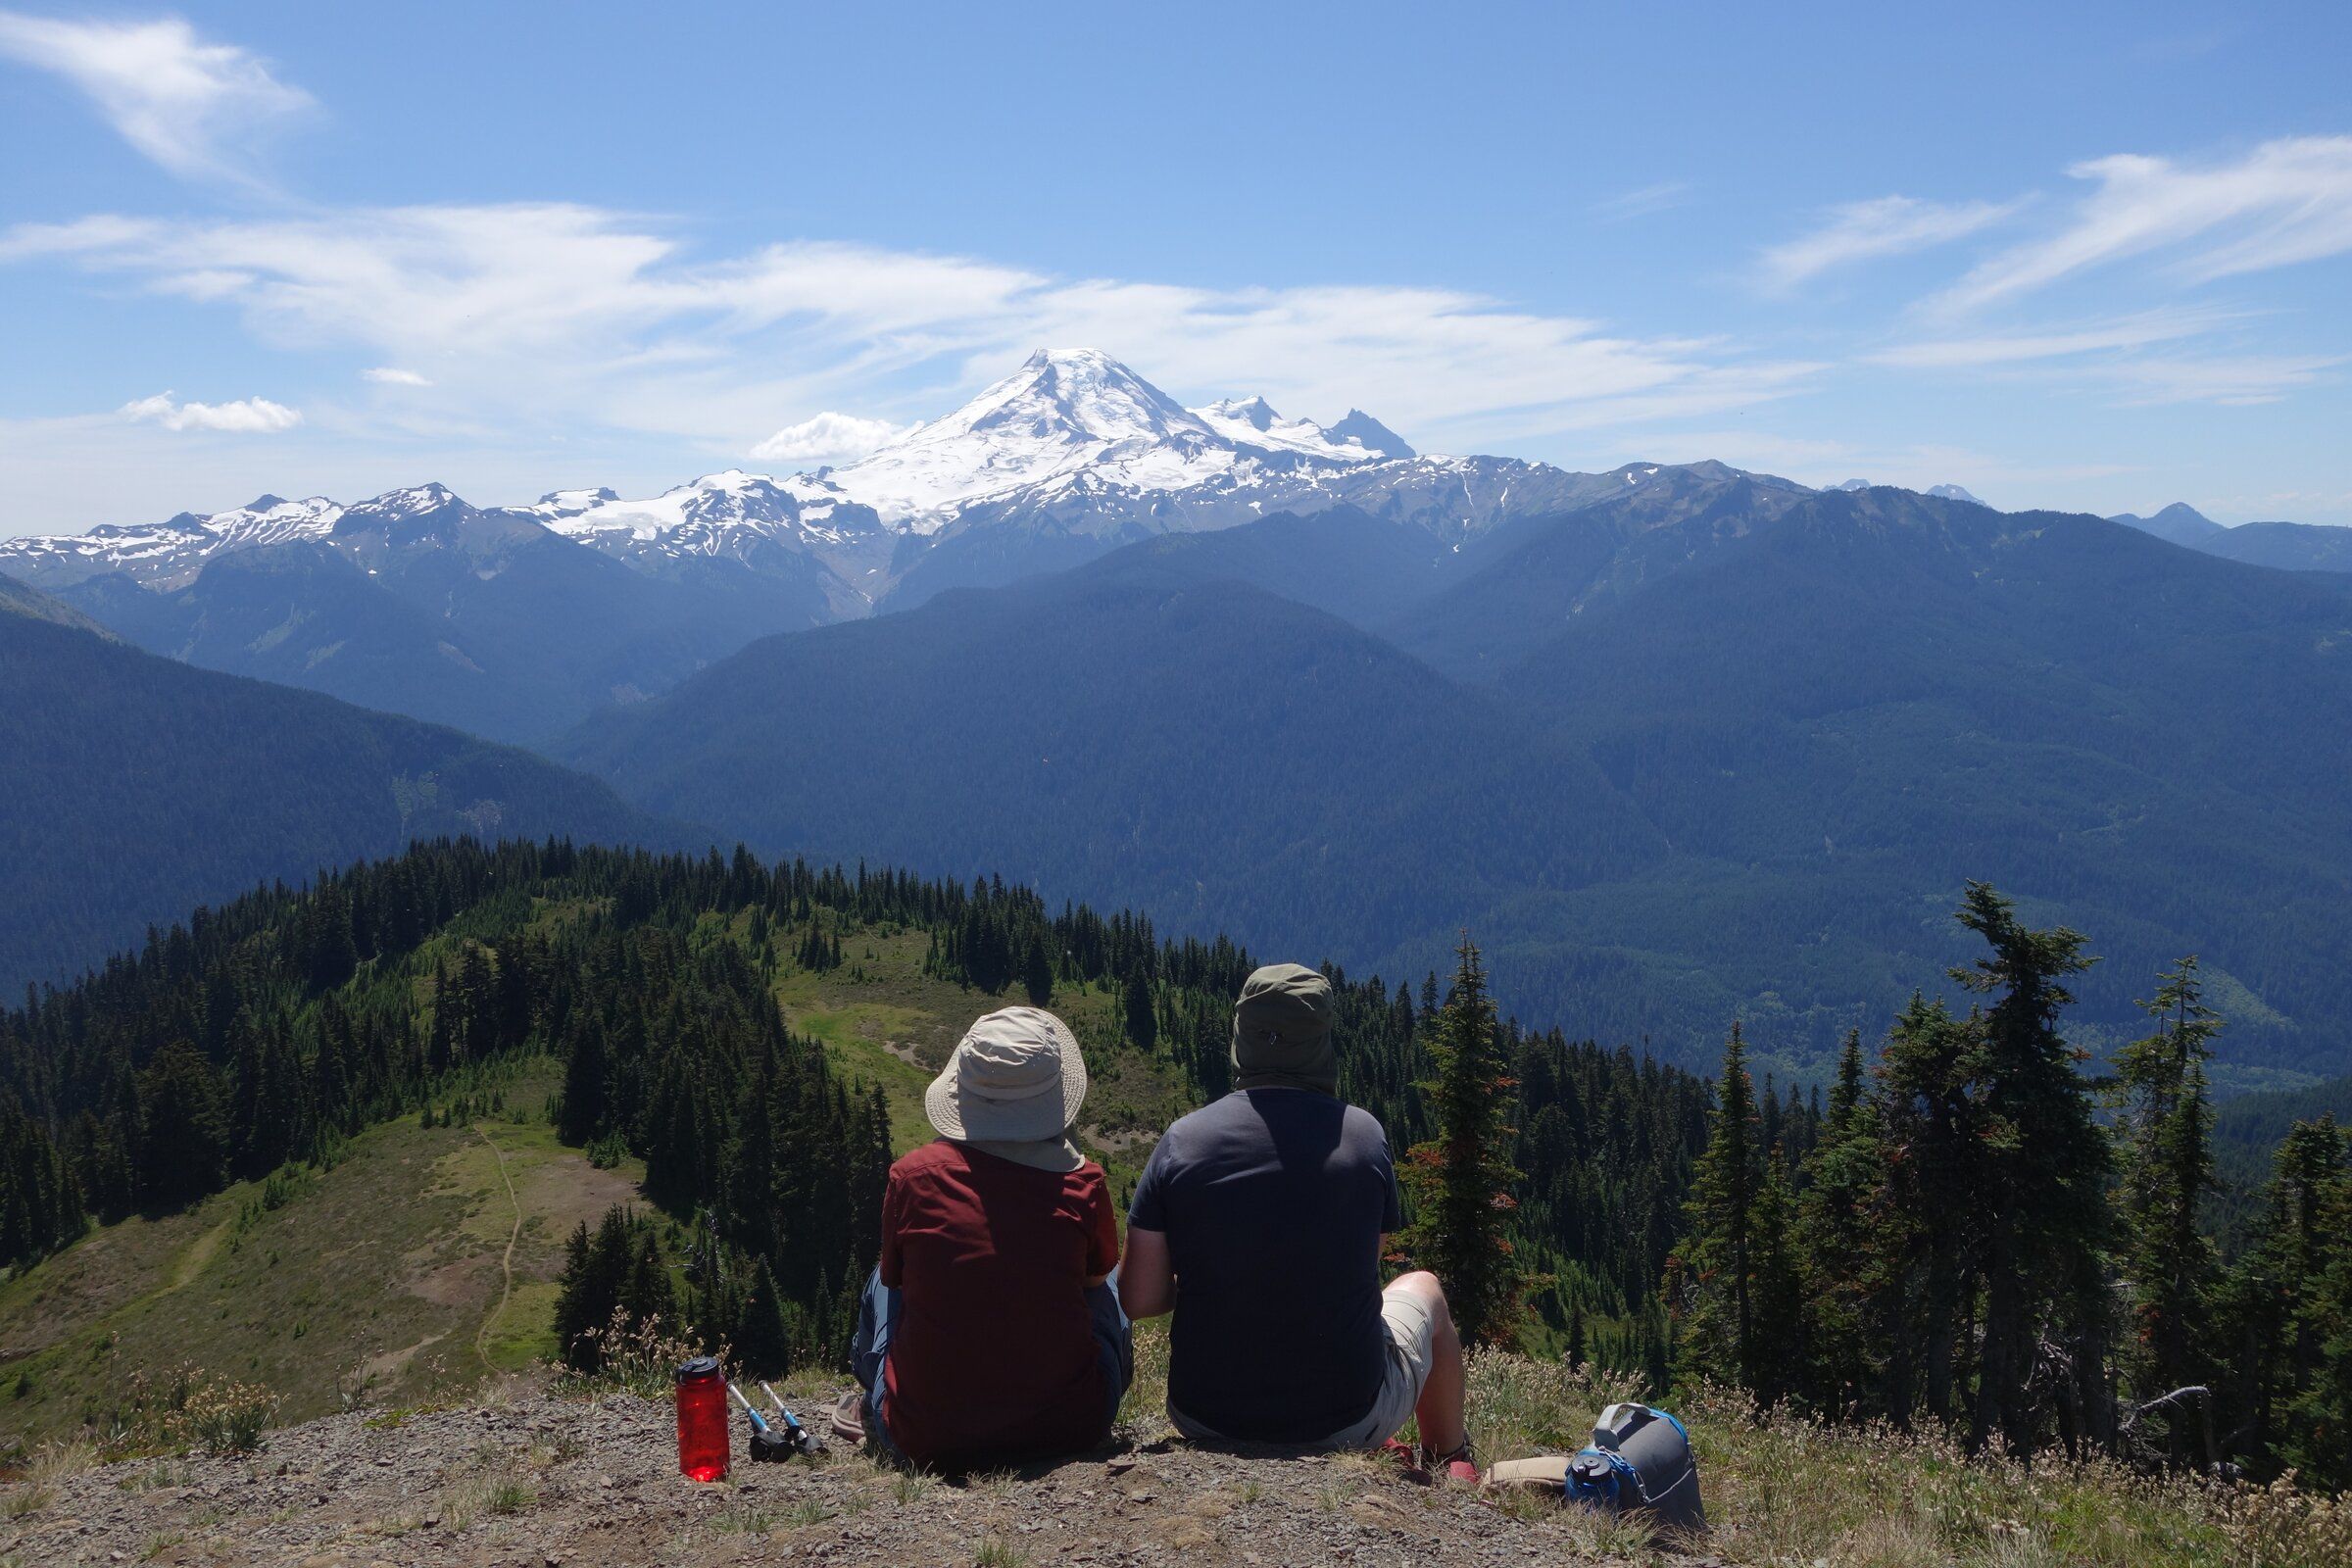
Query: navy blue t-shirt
x=1273, y=1201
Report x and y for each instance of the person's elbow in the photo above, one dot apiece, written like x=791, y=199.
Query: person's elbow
x=1146, y=1286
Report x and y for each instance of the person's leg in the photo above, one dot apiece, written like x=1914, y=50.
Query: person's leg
x=1439, y=1411
x=1114, y=1343
x=869, y=1342
x=865, y=1420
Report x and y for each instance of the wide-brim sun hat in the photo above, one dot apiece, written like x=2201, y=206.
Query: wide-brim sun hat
x=1016, y=1076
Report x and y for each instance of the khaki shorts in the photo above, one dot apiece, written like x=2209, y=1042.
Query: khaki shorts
x=1411, y=1353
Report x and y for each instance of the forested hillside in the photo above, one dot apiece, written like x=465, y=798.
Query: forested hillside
x=1719, y=745
x=277, y=1026
x=133, y=789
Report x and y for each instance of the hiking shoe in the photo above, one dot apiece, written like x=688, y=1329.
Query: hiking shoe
x=848, y=1418
x=1408, y=1459
x=1460, y=1465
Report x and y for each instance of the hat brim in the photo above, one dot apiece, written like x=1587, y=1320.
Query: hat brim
x=971, y=1117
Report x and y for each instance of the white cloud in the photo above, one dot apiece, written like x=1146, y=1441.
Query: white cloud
x=827, y=437
x=2058, y=342
x=392, y=375
x=245, y=417
x=1889, y=226
x=2287, y=201
x=569, y=316
x=2229, y=379
x=190, y=106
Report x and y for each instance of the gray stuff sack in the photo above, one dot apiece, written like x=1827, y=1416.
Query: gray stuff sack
x=1639, y=1463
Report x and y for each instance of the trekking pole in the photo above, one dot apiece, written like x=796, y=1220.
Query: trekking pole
x=795, y=1432
x=767, y=1444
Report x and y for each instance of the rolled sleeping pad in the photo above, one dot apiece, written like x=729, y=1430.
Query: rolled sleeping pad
x=1638, y=1461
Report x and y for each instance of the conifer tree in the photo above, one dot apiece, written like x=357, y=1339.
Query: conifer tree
x=1716, y=1284
x=2165, y=1131
x=1141, y=1017
x=1778, y=1304
x=581, y=1116
x=1462, y=1178
x=2277, y=1297
x=575, y=1309
x=762, y=1340
x=1037, y=972
x=2045, y=1213
x=182, y=1147
x=1838, y=1241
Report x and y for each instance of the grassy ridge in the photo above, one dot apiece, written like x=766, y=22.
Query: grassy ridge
x=385, y=1277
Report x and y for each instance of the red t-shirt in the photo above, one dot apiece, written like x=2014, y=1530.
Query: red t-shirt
x=993, y=1355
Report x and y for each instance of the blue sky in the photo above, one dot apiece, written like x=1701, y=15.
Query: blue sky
x=2099, y=260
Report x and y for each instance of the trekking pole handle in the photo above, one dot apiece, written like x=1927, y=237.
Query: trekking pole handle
x=758, y=1425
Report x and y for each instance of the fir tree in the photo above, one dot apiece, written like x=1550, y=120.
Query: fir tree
x=1717, y=1263
x=1142, y=1018
x=2045, y=1214
x=761, y=1342
x=182, y=1147
x=1462, y=1178
x=2165, y=1130
x=1839, y=1239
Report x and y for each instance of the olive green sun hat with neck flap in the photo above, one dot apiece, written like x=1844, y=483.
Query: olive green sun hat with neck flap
x=1282, y=1031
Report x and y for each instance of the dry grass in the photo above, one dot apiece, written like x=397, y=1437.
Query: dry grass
x=1780, y=1489
x=50, y=1466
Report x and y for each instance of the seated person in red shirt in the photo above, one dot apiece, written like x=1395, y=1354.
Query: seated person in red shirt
x=991, y=1332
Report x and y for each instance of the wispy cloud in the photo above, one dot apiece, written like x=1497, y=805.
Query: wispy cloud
x=1862, y=231
x=193, y=107
x=828, y=436
x=571, y=314
x=2056, y=342
x=2228, y=379
x=2285, y=202
x=392, y=375
x=1643, y=202
x=244, y=417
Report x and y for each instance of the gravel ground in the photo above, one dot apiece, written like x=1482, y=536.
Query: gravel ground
x=542, y=1481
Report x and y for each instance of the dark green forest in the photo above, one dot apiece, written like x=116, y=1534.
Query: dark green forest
x=1990, y=1235
x=266, y=1030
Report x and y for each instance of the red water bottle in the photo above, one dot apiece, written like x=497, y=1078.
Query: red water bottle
x=703, y=1425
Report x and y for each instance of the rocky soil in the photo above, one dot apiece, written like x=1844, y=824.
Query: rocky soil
x=542, y=1481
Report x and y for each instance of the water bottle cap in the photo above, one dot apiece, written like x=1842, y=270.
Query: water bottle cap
x=699, y=1370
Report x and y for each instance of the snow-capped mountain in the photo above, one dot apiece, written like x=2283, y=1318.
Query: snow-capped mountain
x=168, y=554
x=1076, y=420
x=1070, y=455
x=717, y=514
x=1941, y=492
x=1251, y=425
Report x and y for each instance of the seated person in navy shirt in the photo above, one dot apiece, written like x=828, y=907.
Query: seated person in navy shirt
x=989, y=1334
x=1258, y=1222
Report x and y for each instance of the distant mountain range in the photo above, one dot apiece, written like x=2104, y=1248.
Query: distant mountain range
x=1680, y=741
x=520, y=622
x=133, y=789
x=2286, y=546
x=1714, y=745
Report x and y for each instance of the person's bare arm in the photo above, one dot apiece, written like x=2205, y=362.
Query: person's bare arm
x=1147, y=1285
